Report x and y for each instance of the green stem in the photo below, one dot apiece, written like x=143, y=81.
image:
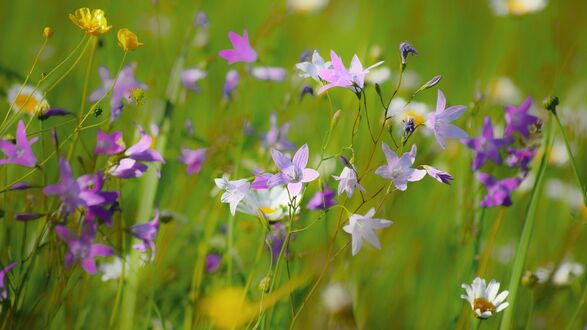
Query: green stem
x=572, y=158
x=522, y=250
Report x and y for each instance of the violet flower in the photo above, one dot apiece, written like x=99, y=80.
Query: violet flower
x=230, y=83
x=141, y=150
x=276, y=239
x=438, y=175
x=261, y=181
x=520, y=158
x=213, y=262
x=486, y=145
x=147, y=232
x=242, y=50
x=518, y=119
x=322, y=199
x=53, y=112
x=128, y=168
x=399, y=169
x=276, y=137
x=440, y=121
x=339, y=76
x=20, y=153
x=348, y=181
x=193, y=158
x=293, y=172
x=3, y=289
x=405, y=49
x=190, y=78
x=498, y=192
x=81, y=249
x=109, y=144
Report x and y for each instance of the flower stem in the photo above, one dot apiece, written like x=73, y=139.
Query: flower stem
x=522, y=250
x=572, y=158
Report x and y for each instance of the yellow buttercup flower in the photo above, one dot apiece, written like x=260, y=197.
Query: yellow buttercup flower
x=92, y=22
x=127, y=40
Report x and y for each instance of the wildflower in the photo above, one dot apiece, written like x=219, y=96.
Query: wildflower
x=213, y=262
x=28, y=100
x=201, y=19
x=402, y=111
x=404, y=50
x=567, y=272
x=47, y=32
x=146, y=232
x=498, y=192
x=322, y=199
x=20, y=153
x=409, y=126
x=484, y=299
x=399, y=169
x=439, y=121
x=53, y=112
x=339, y=76
x=312, y=69
x=125, y=84
x=378, y=75
x=516, y=7
x=261, y=179
x=93, y=22
x=141, y=150
x=242, y=50
x=337, y=298
x=112, y=270
x=348, y=181
x=80, y=248
x=486, y=145
x=271, y=204
x=190, y=78
x=128, y=40
x=230, y=84
x=518, y=119
x=276, y=239
x=269, y=73
x=193, y=158
x=276, y=137
x=229, y=308
x=293, y=172
x=3, y=289
x=438, y=175
x=128, y=168
x=234, y=191
x=361, y=227
x=306, y=90
x=109, y=144
x=520, y=157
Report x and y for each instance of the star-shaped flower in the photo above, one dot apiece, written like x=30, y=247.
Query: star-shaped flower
x=518, y=119
x=242, y=50
x=362, y=227
x=348, y=181
x=193, y=158
x=312, y=68
x=440, y=121
x=20, y=153
x=293, y=172
x=146, y=232
x=484, y=299
x=81, y=249
x=399, y=169
x=234, y=191
x=486, y=145
x=498, y=191
x=339, y=76
x=109, y=144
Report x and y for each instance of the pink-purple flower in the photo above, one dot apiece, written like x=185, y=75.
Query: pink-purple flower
x=81, y=249
x=440, y=121
x=339, y=76
x=399, y=169
x=438, y=175
x=348, y=181
x=3, y=289
x=241, y=49
x=518, y=119
x=230, y=83
x=20, y=153
x=146, y=232
x=293, y=171
x=276, y=137
x=193, y=159
x=498, y=191
x=109, y=144
x=322, y=199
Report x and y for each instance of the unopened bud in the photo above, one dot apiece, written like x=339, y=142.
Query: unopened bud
x=335, y=119
x=550, y=104
x=47, y=32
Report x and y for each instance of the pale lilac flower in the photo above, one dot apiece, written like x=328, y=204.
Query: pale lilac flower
x=399, y=169
x=109, y=144
x=230, y=84
x=276, y=137
x=242, y=50
x=498, y=192
x=128, y=168
x=193, y=158
x=20, y=153
x=141, y=150
x=234, y=191
x=348, y=181
x=122, y=90
x=484, y=299
x=190, y=78
x=361, y=227
x=81, y=249
x=440, y=121
x=261, y=181
x=405, y=49
x=146, y=232
x=311, y=69
x=486, y=145
x=269, y=73
x=322, y=199
x=440, y=176
x=339, y=76
x=293, y=172
x=213, y=262
x=518, y=119
x=201, y=19
x=3, y=289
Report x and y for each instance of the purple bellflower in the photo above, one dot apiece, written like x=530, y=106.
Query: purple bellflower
x=498, y=192
x=518, y=119
x=81, y=249
x=486, y=145
x=3, y=289
x=520, y=158
x=193, y=159
x=339, y=76
x=276, y=137
x=293, y=172
x=440, y=121
x=348, y=181
x=20, y=153
x=242, y=50
x=146, y=232
x=230, y=84
x=190, y=78
x=438, y=175
x=213, y=262
x=399, y=169
x=109, y=144
x=322, y=199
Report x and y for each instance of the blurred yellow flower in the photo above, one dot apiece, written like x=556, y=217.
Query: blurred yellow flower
x=228, y=308
x=27, y=100
x=92, y=22
x=127, y=40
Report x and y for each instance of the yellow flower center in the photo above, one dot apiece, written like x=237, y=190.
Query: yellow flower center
x=266, y=210
x=26, y=103
x=418, y=118
x=483, y=305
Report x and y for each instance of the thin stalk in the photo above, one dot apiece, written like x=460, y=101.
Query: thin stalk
x=572, y=158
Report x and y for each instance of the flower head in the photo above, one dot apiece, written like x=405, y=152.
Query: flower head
x=271, y=204
x=439, y=121
x=348, y=181
x=3, y=289
x=276, y=137
x=193, y=159
x=93, y=22
x=142, y=151
x=399, y=169
x=498, y=191
x=484, y=299
x=322, y=199
x=234, y=191
x=190, y=78
x=404, y=50
x=293, y=172
x=518, y=119
x=213, y=261
x=440, y=176
x=20, y=153
x=486, y=145
x=230, y=83
x=146, y=232
x=242, y=50
x=339, y=76
x=80, y=248
x=361, y=227
x=28, y=100
x=128, y=40
x=312, y=68
x=109, y=144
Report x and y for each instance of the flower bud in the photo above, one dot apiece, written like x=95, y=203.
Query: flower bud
x=550, y=104
x=47, y=32
x=127, y=40
x=335, y=118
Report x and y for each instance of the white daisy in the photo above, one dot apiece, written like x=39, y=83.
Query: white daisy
x=516, y=7
x=29, y=100
x=272, y=204
x=484, y=299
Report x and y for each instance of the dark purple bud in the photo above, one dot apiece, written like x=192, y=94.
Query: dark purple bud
x=213, y=262
x=55, y=112
x=306, y=90
x=27, y=216
x=409, y=126
x=345, y=162
x=405, y=49
x=305, y=57
x=20, y=186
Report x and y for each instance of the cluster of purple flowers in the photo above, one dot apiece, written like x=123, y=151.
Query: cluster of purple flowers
x=517, y=145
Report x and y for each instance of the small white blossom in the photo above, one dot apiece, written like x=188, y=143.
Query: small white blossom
x=362, y=227
x=484, y=299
